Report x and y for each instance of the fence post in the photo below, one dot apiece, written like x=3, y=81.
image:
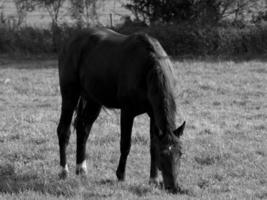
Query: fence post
x=111, y=20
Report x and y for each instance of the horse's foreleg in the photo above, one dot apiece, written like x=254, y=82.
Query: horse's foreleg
x=154, y=178
x=86, y=115
x=125, y=143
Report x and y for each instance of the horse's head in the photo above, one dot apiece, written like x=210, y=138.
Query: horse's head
x=169, y=159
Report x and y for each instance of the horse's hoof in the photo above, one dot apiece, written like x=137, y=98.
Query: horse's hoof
x=64, y=173
x=120, y=176
x=154, y=182
x=81, y=169
x=177, y=189
x=81, y=172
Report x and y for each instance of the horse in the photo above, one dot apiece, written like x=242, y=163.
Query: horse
x=102, y=68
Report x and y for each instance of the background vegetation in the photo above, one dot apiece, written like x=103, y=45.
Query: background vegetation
x=185, y=28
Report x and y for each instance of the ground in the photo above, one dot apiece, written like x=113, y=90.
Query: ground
x=224, y=144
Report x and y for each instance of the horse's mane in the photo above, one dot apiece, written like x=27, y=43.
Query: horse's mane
x=161, y=83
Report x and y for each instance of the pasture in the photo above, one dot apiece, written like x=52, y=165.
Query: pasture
x=224, y=144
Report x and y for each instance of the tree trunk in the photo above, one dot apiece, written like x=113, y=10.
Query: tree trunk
x=55, y=36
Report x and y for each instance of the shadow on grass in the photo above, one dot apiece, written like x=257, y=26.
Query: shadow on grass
x=11, y=182
x=28, y=62
x=136, y=189
x=50, y=61
x=140, y=190
x=95, y=195
x=107, y=182
x=100, y=189
x=221, y=58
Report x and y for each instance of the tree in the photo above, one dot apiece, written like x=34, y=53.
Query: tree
x=198, y=11
x=237, y=10
x=23, y=7
x=161, y=10
x=259, y=13
x=84, y=11
x=210, y=11
x=2, y=6
x=53, y=8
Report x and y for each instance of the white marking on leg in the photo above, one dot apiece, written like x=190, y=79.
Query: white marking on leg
x=65, y=168
x=82, y=167
x=64, y=172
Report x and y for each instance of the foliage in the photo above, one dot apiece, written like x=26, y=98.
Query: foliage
x=179, y=40
x=53, y=8
x=162, y=11
x=23, y=7
x=187, y=39
x=261, y=15
x=84, y=12
x=201, y=11
x=26, y=40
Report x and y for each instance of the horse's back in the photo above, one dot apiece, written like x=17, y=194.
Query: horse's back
x=74, y=51
x=108, y=67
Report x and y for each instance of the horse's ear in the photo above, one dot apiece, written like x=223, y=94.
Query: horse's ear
x=179, y=131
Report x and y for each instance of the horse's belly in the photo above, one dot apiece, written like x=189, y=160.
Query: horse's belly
x=111, y=103
x=105, y=86
x=103, y=95
x=110, y=98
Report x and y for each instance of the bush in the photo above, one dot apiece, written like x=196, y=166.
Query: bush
x=185, y=39
x=177, y=40
x=26, y=40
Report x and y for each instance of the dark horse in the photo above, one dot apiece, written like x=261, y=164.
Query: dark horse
x=133, y=73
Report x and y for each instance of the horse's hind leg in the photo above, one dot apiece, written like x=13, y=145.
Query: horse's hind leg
x=87, y=113
x=69, y=103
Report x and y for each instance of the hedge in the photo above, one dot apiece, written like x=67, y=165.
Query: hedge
x=177, y=40
x=182, y=40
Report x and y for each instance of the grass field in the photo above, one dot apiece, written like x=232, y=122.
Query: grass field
x=225, y=142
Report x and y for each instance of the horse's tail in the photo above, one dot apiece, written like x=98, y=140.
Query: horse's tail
x=69, y=61
x=78, y=111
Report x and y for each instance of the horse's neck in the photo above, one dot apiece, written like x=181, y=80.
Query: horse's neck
x=162, y=104
x=163, y=116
